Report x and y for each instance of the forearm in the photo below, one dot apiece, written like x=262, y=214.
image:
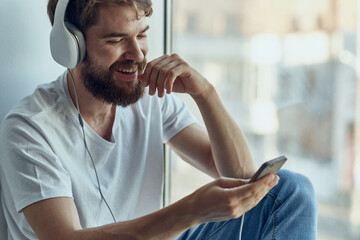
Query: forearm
x=57, y=218
x=229, y=147
x=164, y=224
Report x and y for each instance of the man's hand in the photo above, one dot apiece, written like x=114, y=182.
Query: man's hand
x=227, y=198
x=173, y=74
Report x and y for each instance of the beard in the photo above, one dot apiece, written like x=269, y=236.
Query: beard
x=101, y=84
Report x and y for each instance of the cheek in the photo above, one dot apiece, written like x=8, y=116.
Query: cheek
x=144, y=46
x=105, y=56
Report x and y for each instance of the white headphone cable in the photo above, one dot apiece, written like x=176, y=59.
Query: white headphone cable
x=241, y=226
x=86, y=146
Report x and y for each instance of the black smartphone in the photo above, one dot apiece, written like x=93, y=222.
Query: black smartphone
x=272, y=166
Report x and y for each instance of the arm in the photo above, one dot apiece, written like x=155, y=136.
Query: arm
x=197, y=150
x=57, y=218
x=223, y=199
x=224, y=145
x=229, y=146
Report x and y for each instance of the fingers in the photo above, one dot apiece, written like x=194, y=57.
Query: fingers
x=227, y=198
x=157, y=75
x=180, y=70
x=163, y=76
x=149, y=67
x=246, y=197
x=270, y=180
x=162, y=72
x=258, y=188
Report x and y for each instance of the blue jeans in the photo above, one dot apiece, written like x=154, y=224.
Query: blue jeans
x=289, y=211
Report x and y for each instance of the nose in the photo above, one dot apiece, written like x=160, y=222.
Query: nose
x=135, y=51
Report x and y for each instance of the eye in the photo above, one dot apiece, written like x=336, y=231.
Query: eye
x=142, y=36
x=114, y=41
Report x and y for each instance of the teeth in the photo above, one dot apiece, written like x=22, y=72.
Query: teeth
x=128, y=70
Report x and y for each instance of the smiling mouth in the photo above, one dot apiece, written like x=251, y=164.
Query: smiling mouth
x=127, y=70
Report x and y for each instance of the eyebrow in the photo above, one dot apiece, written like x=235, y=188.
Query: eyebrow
x=115, y=34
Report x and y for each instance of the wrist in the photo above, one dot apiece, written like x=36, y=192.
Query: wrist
x=168, y=222
x=186, y=212
x=208, y=91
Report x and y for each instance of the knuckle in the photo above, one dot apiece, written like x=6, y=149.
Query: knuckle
x=149, y=65
x=252, y=191
x=166, y=72
x=256, y=198
x=172, y=73
x=220, y=180
x=186, y=65
x=232, y=212
x=162, y=73
x=230, y=200
x=175, y=55
x=156, y=68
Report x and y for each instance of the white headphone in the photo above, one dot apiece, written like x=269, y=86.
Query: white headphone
x=67, y=43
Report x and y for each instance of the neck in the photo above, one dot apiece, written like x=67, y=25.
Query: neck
x=97, y=114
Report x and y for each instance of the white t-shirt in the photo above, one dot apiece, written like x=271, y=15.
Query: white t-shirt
x=43, y=156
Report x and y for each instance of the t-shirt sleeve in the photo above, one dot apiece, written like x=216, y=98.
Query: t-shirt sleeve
x=176, y=116
x=28, y=166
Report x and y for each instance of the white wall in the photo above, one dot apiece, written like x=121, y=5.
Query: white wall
x=25, y=59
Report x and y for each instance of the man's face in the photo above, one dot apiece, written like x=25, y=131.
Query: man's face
x=116, y=50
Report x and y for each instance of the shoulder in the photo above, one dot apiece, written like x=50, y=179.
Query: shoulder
x=45, y=97
x=35, y=111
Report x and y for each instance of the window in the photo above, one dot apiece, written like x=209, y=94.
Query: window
x=289, y=80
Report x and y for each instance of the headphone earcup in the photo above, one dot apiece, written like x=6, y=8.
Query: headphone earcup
x=67, y=43
x=80, y=40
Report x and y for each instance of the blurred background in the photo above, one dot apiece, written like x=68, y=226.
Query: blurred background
x=287, y=72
